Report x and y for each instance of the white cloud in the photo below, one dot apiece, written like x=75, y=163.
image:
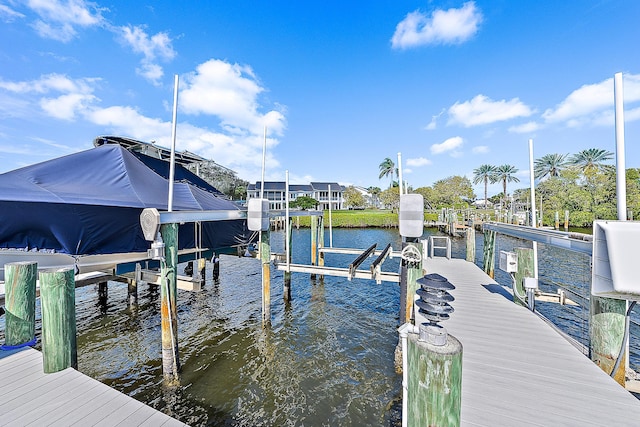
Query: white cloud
x=592, y=104
x=8, y=15
x=152, y=48
x=434, y=121
x=59, y=19
x=58, y=95
x=452, y=26
x=480, y=149
x=450, y=145
x=525, y=127
x=419, y=161
x=230, y=92
x=482, y=110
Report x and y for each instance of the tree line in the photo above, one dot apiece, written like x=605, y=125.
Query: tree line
x=582, y=183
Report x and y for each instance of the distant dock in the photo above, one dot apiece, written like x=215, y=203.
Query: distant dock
x=30, y=397
x=518, y=370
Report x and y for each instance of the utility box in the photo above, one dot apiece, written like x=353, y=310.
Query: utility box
x=616, y=270
x=258, y=215
x=508, y=262
x=411, y=216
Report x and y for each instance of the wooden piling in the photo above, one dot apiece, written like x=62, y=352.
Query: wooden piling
x=216, y=267
x=20, y=302
x=287, y=274
x=435, y=382
x=202, y=269
x=265, y=258
x=557, y=220
x=566, y=220
x=525, y=269
x=606, y=332
x=132, y=285
x=471, y=243
x=57, y=300
x=489, y=251
x=168, y=305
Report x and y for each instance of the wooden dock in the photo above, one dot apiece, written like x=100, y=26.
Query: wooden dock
x=516, y=369
x=30, y=397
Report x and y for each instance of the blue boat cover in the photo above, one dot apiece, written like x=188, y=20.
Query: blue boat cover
x=90, y=203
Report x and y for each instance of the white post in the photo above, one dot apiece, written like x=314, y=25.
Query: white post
x=534, y=221
x=264, y=155
x=172, y=164
x=330, y=229
x=400, y=172
x=286, y=222
x=621, y=182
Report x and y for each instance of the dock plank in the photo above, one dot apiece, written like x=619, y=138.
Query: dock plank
x=28, y=396
x=518, y=370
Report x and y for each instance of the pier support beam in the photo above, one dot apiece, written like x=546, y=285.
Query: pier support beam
x=168, y=305
x=489, y=253
x=202, y=270
x=606, y=332
x=20, y=303
x=435, y=382
x=265, y=258
x=470, y=238
x=57, y=299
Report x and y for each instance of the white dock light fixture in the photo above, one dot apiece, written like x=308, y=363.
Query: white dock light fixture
x=616, y=271
x=258, y=215
x=411, y=216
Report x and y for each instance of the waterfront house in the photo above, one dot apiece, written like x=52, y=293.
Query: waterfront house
x=275, y=192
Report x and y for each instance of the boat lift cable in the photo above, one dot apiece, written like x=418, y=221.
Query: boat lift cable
x=625, y=338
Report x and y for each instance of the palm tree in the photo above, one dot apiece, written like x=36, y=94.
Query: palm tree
x=549, y=164
x=486, y=174
x=505, y=173
x=387, y=167
x=591, y=160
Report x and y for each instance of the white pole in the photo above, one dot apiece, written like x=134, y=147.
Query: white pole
x=286, y=224
x=172, y=162
x=621, y=182
x=534, y=221
x=400, y=172
x=264, y=155
x=330, y=229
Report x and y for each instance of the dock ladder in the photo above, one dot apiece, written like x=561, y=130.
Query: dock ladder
x=436, y=242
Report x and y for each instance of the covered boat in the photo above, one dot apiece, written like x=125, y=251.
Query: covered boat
x=89, y=203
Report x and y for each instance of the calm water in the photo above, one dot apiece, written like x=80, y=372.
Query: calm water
x=326, y=360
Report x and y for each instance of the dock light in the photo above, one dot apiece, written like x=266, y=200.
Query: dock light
x=258, y=215
x=411, y=216
x=434, y=305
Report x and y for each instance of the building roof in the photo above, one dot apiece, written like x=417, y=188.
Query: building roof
x=280, y=186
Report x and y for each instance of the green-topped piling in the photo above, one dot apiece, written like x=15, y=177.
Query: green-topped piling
x=20, y=302
x=57, y=300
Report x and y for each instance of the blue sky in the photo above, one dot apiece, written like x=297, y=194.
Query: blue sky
x=340, y=85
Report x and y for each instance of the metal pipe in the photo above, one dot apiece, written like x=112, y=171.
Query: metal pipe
x=621, y=184
x=534, y=222
x=172, y=163
x=286, y=222
x=264, y=155
x=330, y=229
x=400, y=172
